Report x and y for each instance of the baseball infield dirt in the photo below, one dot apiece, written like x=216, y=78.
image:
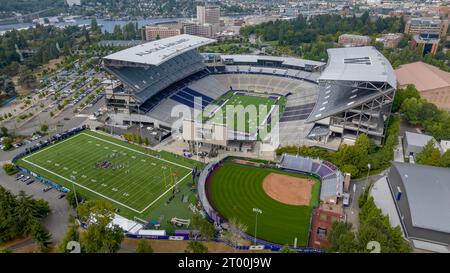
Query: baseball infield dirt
x=288, y=189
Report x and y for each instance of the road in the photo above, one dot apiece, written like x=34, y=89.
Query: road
x=357, y=187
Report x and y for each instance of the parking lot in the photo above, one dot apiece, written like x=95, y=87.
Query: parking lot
x=57, y=221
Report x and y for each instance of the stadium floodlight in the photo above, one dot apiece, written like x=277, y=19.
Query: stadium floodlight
x=256, y=211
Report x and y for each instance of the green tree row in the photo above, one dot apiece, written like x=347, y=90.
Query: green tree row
x=355, y=159
x=20, y=217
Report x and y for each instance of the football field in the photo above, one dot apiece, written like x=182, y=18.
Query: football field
x=131, y=177
x=242, y=121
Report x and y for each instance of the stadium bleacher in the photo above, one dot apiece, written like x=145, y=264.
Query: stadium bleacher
x=187, y=97
x=331, y=177
x=299, y=112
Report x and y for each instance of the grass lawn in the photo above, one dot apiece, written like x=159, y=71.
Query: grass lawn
x=236, y=189
x=136, y=180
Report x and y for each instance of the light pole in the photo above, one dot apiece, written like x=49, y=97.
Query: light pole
x=256, y=211
x=368, y=171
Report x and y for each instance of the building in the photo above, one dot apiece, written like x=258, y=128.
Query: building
x=390, y=40
x=421, y=197
x=432, y=83
x=353, y=40
x=208, y=14
x=414, y=143
x=356, y=91
x=427, y=25
x=156, y=32
x=322, y=221
x=427, y=42
x=203, y=30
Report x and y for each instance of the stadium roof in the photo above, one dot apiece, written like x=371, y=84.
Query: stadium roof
x=285, y=60
x=427, y=190
x=363, y=64
x=157, y=52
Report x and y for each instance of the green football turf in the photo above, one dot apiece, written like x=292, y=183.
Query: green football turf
x=236, y=189
x=137, y=183
x=248, y=125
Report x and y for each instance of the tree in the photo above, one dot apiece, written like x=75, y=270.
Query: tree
x=72, y=234
x=146, y=142
x=234, y=234
x=401, y=95
x=26, y=77
x=341, y=238
x=9, y=169
x=429, y=155
x=4, y=131
x=196, y=247
x=200, y=226
x=287, y=249
x=42, y=237
x=144, y=246
x=100, y=236
x=44, y=128
x=94, y=26
x=411, y=109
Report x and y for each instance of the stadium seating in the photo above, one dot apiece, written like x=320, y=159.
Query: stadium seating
x=331, y=177
x=148, y=82
x=187, y=97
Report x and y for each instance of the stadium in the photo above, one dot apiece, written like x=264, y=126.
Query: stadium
x=309, y=102
x=226, y=103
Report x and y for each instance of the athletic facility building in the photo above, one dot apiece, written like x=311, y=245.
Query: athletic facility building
x=420, y=194
x=356, y=91
x=168, y=84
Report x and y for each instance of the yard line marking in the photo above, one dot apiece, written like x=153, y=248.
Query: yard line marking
x=165, y=193
x=95, y=192
x=81, y=186
x=136, y=151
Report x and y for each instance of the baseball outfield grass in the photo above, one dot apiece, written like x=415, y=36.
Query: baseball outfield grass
x=235, y=189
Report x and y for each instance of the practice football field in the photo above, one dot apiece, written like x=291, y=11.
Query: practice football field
x=247, y=124
x=99, y=166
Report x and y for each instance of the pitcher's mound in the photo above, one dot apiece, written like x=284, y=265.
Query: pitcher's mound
x=288, y=189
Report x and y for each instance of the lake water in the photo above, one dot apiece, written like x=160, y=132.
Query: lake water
x=107, y=25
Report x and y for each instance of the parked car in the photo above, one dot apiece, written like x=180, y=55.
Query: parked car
x=47, y=189
x=30, y=182
x=61, y=196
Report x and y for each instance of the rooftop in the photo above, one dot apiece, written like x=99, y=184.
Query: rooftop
x=419, y=140
x=427, y=189
x=157, y=52
x=285, y=60
x=423, y=76
x=362, y=64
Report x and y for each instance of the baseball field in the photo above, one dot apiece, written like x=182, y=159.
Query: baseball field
x=285, y=199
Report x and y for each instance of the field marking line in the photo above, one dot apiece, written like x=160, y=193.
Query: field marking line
x=164, y=193
x=93, y=191
x=139, y=152
x=50, y=146
x=81, y=186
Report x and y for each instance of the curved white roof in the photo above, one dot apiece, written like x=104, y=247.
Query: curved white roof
x=157, y=52
x=358, y=64
x=285, y=60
